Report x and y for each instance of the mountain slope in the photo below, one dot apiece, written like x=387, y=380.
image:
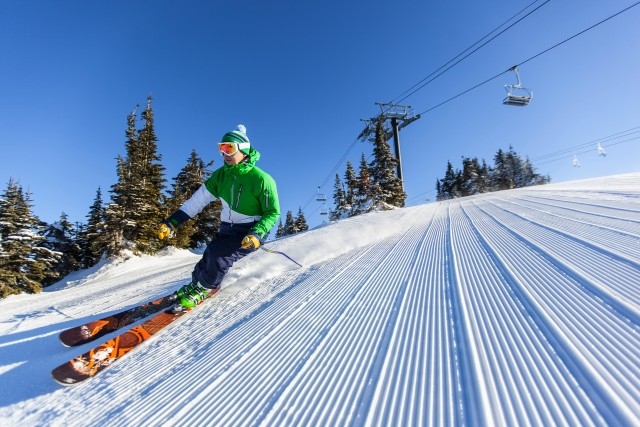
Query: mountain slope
x=510, y=308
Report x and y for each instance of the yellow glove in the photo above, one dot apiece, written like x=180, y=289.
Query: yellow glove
x=250, y=242
x=165, y=230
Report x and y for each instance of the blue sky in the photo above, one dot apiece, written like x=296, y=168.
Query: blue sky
x=301, y=77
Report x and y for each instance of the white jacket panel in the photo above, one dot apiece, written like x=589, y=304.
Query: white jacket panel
x=202, y=197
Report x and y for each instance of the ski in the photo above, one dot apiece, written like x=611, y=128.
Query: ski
x=93, y=330
x=102, y=356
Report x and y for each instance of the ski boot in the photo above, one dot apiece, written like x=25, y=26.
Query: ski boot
x=190, y=295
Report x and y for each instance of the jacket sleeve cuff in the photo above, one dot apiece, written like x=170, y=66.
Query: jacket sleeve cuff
x=178, y=217
x=257, y=234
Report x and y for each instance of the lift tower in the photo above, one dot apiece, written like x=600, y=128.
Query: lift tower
x=399, y=116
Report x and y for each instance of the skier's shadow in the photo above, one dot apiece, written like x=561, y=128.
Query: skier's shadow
x=26, y=361
x=28, y=357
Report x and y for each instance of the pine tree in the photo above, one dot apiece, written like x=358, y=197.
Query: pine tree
x=449, y=184
x=301, y=222
x=484, y=178
x=439, y=193
x=94, y=240
x=201, y=229
x=351, y=182
x=60, y=239
x=386, y=191
x=43, y=266
x=502, y=176
x=81, y=241
x=147, y=206
x=339, y=200
x=21, y=266
x=469, y=177
x=136, y=207
x=289, y=224
x=280, y=231
x=515, y=163
x=363, y=190
x=115, y=211
x=527, y=175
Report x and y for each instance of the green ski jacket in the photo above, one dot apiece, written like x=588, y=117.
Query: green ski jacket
x=248, y=194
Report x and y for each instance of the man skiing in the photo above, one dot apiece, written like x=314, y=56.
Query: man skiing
x=250, y=209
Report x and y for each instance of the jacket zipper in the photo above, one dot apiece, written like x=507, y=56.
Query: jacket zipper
x=233, y=189
x=266, y=199
x=238, y=198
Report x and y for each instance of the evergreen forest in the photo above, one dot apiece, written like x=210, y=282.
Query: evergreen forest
x=34, y=254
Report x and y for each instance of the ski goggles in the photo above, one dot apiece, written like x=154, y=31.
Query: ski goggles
x=228, y=148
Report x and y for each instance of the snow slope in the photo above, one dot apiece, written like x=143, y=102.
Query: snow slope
x=511, y=308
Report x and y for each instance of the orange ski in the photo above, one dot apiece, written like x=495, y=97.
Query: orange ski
x=102, y=356
x=88, y=332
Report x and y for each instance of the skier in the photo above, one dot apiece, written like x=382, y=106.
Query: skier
x=250, y=209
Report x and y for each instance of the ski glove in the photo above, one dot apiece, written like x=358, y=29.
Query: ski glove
x=250, y=241
x=168, y=227
x=165, y=230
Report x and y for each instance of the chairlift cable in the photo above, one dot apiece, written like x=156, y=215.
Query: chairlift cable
x=335, y=168
x=531, y=58
x=465, y=92
x=571, y=149
x=420, y=85
x=564, y=156
x=617, y=135
x=559, y=155
x=579, y=33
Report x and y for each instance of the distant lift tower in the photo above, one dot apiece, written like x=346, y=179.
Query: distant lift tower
x=399, y=116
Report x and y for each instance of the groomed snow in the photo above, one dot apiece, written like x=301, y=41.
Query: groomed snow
x=512, y=308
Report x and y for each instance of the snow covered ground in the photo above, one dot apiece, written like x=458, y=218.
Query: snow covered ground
x=512, y=308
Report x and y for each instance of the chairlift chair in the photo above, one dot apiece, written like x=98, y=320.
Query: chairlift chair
x=320, y=197
x=323, y=210
x=601, y=151
x=576, y=162
x=516, y=94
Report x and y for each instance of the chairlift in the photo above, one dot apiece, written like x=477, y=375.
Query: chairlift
x=320, y=197
x=601, y=151
x=323, y=210
x=516, y=94
x=576, y=162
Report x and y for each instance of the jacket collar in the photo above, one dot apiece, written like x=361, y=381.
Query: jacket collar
x=247, y=164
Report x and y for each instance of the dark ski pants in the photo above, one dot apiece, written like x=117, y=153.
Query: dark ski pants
x=220, y=254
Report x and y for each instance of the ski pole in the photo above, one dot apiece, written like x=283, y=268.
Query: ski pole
x=281, y=253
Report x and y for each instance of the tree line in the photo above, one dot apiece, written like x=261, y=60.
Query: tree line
x=34, y=254
x=292, y=225
x=509, y=171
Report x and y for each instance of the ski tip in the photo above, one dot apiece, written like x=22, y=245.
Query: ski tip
x=66, y=375
x=69, y=342
x=64, y=343
x=64, y=381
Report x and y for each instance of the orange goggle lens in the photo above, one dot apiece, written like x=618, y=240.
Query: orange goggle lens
x=228, y=148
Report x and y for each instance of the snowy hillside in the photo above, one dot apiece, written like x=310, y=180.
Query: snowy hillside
x=511, y=308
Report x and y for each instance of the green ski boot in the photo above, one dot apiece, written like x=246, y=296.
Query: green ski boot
x=191, y=295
